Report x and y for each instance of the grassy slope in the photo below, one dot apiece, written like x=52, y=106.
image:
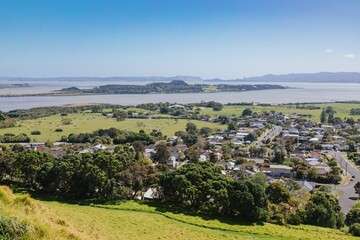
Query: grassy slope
x=88, y=122
x=342, y=110
x=38, y=219
x=131, y=220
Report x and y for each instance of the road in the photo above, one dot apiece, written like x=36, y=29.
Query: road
x=274, y=131
x=348, y=196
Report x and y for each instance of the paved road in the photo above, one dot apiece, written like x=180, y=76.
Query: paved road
x=274, y=131
x=348, y=196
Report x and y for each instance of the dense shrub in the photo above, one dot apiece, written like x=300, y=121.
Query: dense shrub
x=355, y=229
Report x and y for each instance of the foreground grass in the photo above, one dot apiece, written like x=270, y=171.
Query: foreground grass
x=151, y=220
x=24, y=218
x=100, y=223
x=49, y=219
x=266, y=230
x=342, y=110
x=89, y=122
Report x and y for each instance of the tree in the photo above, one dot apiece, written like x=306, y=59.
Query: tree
x=135, y=178
x=97, y=109
x=353, y=216
x=246, y=112
x=232, y=126
x=279, y=156
x=357, y=188
x=189, y=138
x=250, y=137
x=29, y=163
x=323, y=116
x=260, y=178
x=191, y=128
x=289, y=147
x=312, y=174
x=139, y=149
x=162, y=153
x=121, y=115
x=247, y=200
x=2, y=116
x=331, y=118
x=355, y=229
x=352, y=146
x=193, y=154
x=323, y=210
x=205, y=131
x=198, y=186
x=277, y=193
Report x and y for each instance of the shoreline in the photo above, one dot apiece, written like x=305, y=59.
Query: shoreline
x=69, y=94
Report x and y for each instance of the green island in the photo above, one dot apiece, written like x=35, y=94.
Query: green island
x=176, y=86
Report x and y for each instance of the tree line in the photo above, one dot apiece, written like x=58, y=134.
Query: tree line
x=194, y=187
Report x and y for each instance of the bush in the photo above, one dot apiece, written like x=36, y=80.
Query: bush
x=37, y=132
x=66, y=121
x=355, y=229
x=58, y=130
x=11, y=228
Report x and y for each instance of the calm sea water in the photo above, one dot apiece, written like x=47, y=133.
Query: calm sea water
x=301, y=92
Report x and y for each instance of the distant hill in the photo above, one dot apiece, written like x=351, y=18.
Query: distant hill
x=324, y=77
x=130, y=79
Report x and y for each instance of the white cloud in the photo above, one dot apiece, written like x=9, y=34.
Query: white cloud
x=349, y=55
x=329, y=50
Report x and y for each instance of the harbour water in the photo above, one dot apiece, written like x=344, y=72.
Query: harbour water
x=299, y=92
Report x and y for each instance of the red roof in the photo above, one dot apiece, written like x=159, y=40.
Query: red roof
x=315, y=154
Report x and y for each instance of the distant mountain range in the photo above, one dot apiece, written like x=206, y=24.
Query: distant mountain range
x=323, y=77
x=115, y=78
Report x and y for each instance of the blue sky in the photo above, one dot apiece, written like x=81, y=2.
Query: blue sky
x=206, y=38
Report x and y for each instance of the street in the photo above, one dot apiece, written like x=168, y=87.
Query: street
x=348, y=196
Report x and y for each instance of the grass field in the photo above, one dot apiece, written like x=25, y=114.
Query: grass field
x=88, y=122
x=342, y=110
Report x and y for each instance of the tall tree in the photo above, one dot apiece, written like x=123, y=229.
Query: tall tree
x=323, y=209
x=323, y=116
x=162, y=153
x=246, y=112
x=191, y=128
x=277, y=193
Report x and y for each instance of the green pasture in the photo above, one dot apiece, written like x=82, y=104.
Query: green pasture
x=342, y=110
x=88, y=122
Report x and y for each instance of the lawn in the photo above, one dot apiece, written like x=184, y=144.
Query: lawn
x=342, y=110
x=88, y=122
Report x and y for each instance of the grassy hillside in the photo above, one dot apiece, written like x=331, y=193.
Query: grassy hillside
x=46, y=219
x=133, y=220
x=24, y=218
x=88, y=122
